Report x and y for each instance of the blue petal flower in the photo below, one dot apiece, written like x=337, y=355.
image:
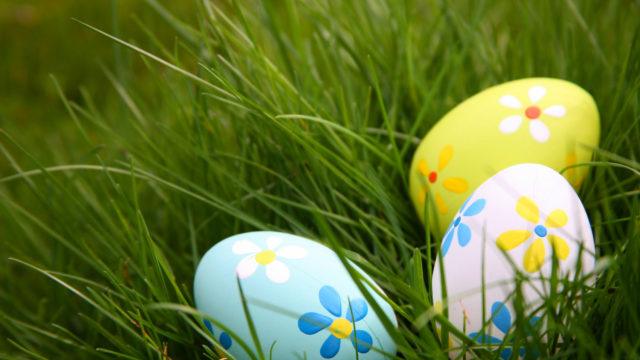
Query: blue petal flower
x=475, y=208
x=447, y=242
x=464, y=234
x=208, y=325
x=359, y=309
x=330, y=299
x=311, y=322
x=362, y=341
x=330, y=347
x=225, y=340
x=501, y=316
x=505, y=354
x=482, y=338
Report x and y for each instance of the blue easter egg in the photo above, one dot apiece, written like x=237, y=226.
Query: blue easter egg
x=301, y=299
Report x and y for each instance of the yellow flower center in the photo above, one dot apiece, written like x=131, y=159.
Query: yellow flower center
x=341, y=328
x=265, y=257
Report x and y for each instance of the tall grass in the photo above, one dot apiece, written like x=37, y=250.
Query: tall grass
x=300, y=116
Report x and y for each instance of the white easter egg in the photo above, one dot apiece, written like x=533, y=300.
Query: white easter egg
x=516, y=221
x=302, y=300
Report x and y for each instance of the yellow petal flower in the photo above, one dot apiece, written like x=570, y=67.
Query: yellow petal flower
x=534, y=256
x=445, y=155
x=442, y=207
x=422, y=195
x=556, y=219
x=456, y=185
x=422, y=167
x=528, y=209
x=560, y=246
x=512, y=238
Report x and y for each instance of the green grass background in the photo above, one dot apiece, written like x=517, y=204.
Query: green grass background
x=119, y=170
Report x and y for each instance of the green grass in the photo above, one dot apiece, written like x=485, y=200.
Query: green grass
x=297, y=116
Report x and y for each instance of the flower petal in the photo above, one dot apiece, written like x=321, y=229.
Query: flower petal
x=330, y=347
x=359, y=309
x=555, y=111
x=422, y=195
x=246, y=267
x=475, y=208
x=225, y=340
x=506, y=353
x=510, y=101
x=464, y=234
x=442, y=207
x=291, y=252
x=456, y=185
x=362, y=341
x=536, y=93
x=528, y=209
x=534, y=256
x=510, y=124
x=481, y=338
x=556, y=219
x=447, y=242
x=330, y=300
x=445, y=156
x=243, y=247
x=511, y=239
x=208, y=325
x=423, y=168
x=273, y=242
x=539, y=130
x=560, y=246
x=312, y=322
x=501, y=316
x=277, y=272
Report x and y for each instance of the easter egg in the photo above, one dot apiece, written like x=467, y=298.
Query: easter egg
x=300, y=298
x=537, y=120
x=524, y=219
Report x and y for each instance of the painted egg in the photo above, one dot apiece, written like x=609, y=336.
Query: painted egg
x=516, y=221
x=538, y=120
x=300, y=298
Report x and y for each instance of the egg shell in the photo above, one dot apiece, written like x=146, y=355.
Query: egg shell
x=286, y=278
x=539, y=203
x=536, y=120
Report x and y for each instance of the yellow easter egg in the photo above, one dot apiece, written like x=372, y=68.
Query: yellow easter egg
x=547, y=121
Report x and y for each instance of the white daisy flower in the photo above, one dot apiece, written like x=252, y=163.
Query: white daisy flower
x=276, y=270
x=538, y=129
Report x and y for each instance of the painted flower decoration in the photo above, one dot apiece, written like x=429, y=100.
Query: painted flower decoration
x=501, y=318
x=276, y=270
x=538, y=129
x=225, y=339
x=534, y=256
x=340, y=327
x=430, y=177
x=459, y=228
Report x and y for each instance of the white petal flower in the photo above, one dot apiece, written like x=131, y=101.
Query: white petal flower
x=555, y=111
x=536, y=93
x=510, y=124
x=539, y=130
x=273, y=242
x=532, y=112
x=277, y=272
x=291, y=252
x=510, y=101
x=246, y=267
x=243, y=247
